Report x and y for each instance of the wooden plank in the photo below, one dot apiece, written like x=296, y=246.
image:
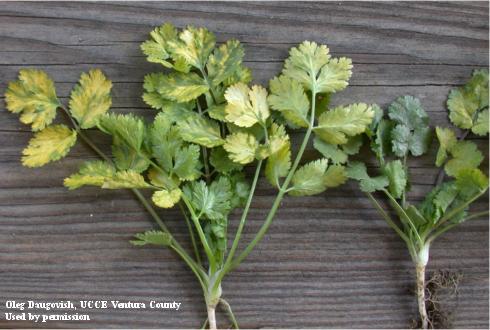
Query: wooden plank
x=328, y=260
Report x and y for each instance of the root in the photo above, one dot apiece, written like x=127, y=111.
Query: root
x=441, y=286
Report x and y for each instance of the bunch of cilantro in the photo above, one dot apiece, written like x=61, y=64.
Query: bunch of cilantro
x=209, y=125
x=406, y=132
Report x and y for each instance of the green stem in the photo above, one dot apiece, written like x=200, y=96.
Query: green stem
x=241, y=225
x=229, y=312
x=204, y=152
x=282, y=191
x=191, y=234
x=401, y=211
x=475, y=215
x=203, y=326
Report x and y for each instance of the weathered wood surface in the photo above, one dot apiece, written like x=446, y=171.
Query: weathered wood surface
x=328, y=261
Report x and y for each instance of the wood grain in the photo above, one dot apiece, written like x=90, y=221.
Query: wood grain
x=328, y=261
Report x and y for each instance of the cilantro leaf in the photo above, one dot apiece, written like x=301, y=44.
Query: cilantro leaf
x=221, y=161
x=225, y=61
x=181, y=87
x=412, y=132
x=34, y=96
x=335, y=176
x=200, y=130
x=308, y=179
x=447, y=140
x=358, y=171
x=152, y=237
x=50, y=144
x=471, y=181
x=279, y=159
x=129, y=128
x=213, y=201
x=481, y=124
x=335, y=126
x=127, y=158
x=246, y=107
x=330, y=151
x=91, y=98
x=125, y=179
x=157, y=49
x=465, y=156
x=397, y=177
x=465, y=102
x=195, y=46
x=242, y=147
x=165, y=198
x=92, y=173
x=289, y=97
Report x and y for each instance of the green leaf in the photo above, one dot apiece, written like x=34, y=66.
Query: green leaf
x=358, y=171
x=335, y=176
x=246, y=107
x=335, y=75
x=397, y=177
x=465, y=156
x=91, y=98
x=187, y=164
x=241, y=147
x=438, y=201
x=307, y=180
x=165, y=198
x=335, y=126
x=447, y=140
x=471, y=182
x=464, y=102
x=125, y=179
x=221, y=162
x=182, y=87
x=152, y=237
x=129, y=128
x=126, y=158
x=381, y=144
x=212, y=201
x=353, y=145
x=289, y=97
x=240, y=190
x=279, y=161
x=157, y=49
x=481, y=123
x=311, y=65
x=217, y=112
x=195, y=46
x=200, y=130
x=305, y=62
x=92, y=173
x=157, y=101
x=34, y=96
x=225, y=61
x=50, y=144
x=412, y=132
x=330, y=151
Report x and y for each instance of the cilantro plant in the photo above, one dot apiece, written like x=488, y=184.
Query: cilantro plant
x=209, y=124
x=406, y=132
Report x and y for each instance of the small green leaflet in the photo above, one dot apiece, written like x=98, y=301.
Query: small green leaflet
x=337, y=125
x=471, y=181
x=465, y=102
x=358, y=171
x=50, y=144
x=125, y=179
x=200, y=130
x=212, y=201
x=447, y=140
x=152, y=237
x=182, y=87
x=157, y=49
x=335, y=176
x=412, y=132
x=289, y=97
x=308, y=179
x=242, y=147
x=465, y=156
x=397, y=177
x=481, y=123
x=221, y=162
x=91, y=98
x=338, y=154
x=92, y=173
x=279, y=159
x=129, y=128
x=246, y=107
x=195, y=46
x=225, y=61
x=34, y=96
x=311, y=65
x=154, y=99
x=165, y=198
x=127, y=158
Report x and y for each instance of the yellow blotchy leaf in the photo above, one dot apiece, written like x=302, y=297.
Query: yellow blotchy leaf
x=48, y=145
x=34, y=96
x=241, y=147
x=125, y=179
x=246, y=107
x=165, y=198
x=91, y=98
x=92, y=173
